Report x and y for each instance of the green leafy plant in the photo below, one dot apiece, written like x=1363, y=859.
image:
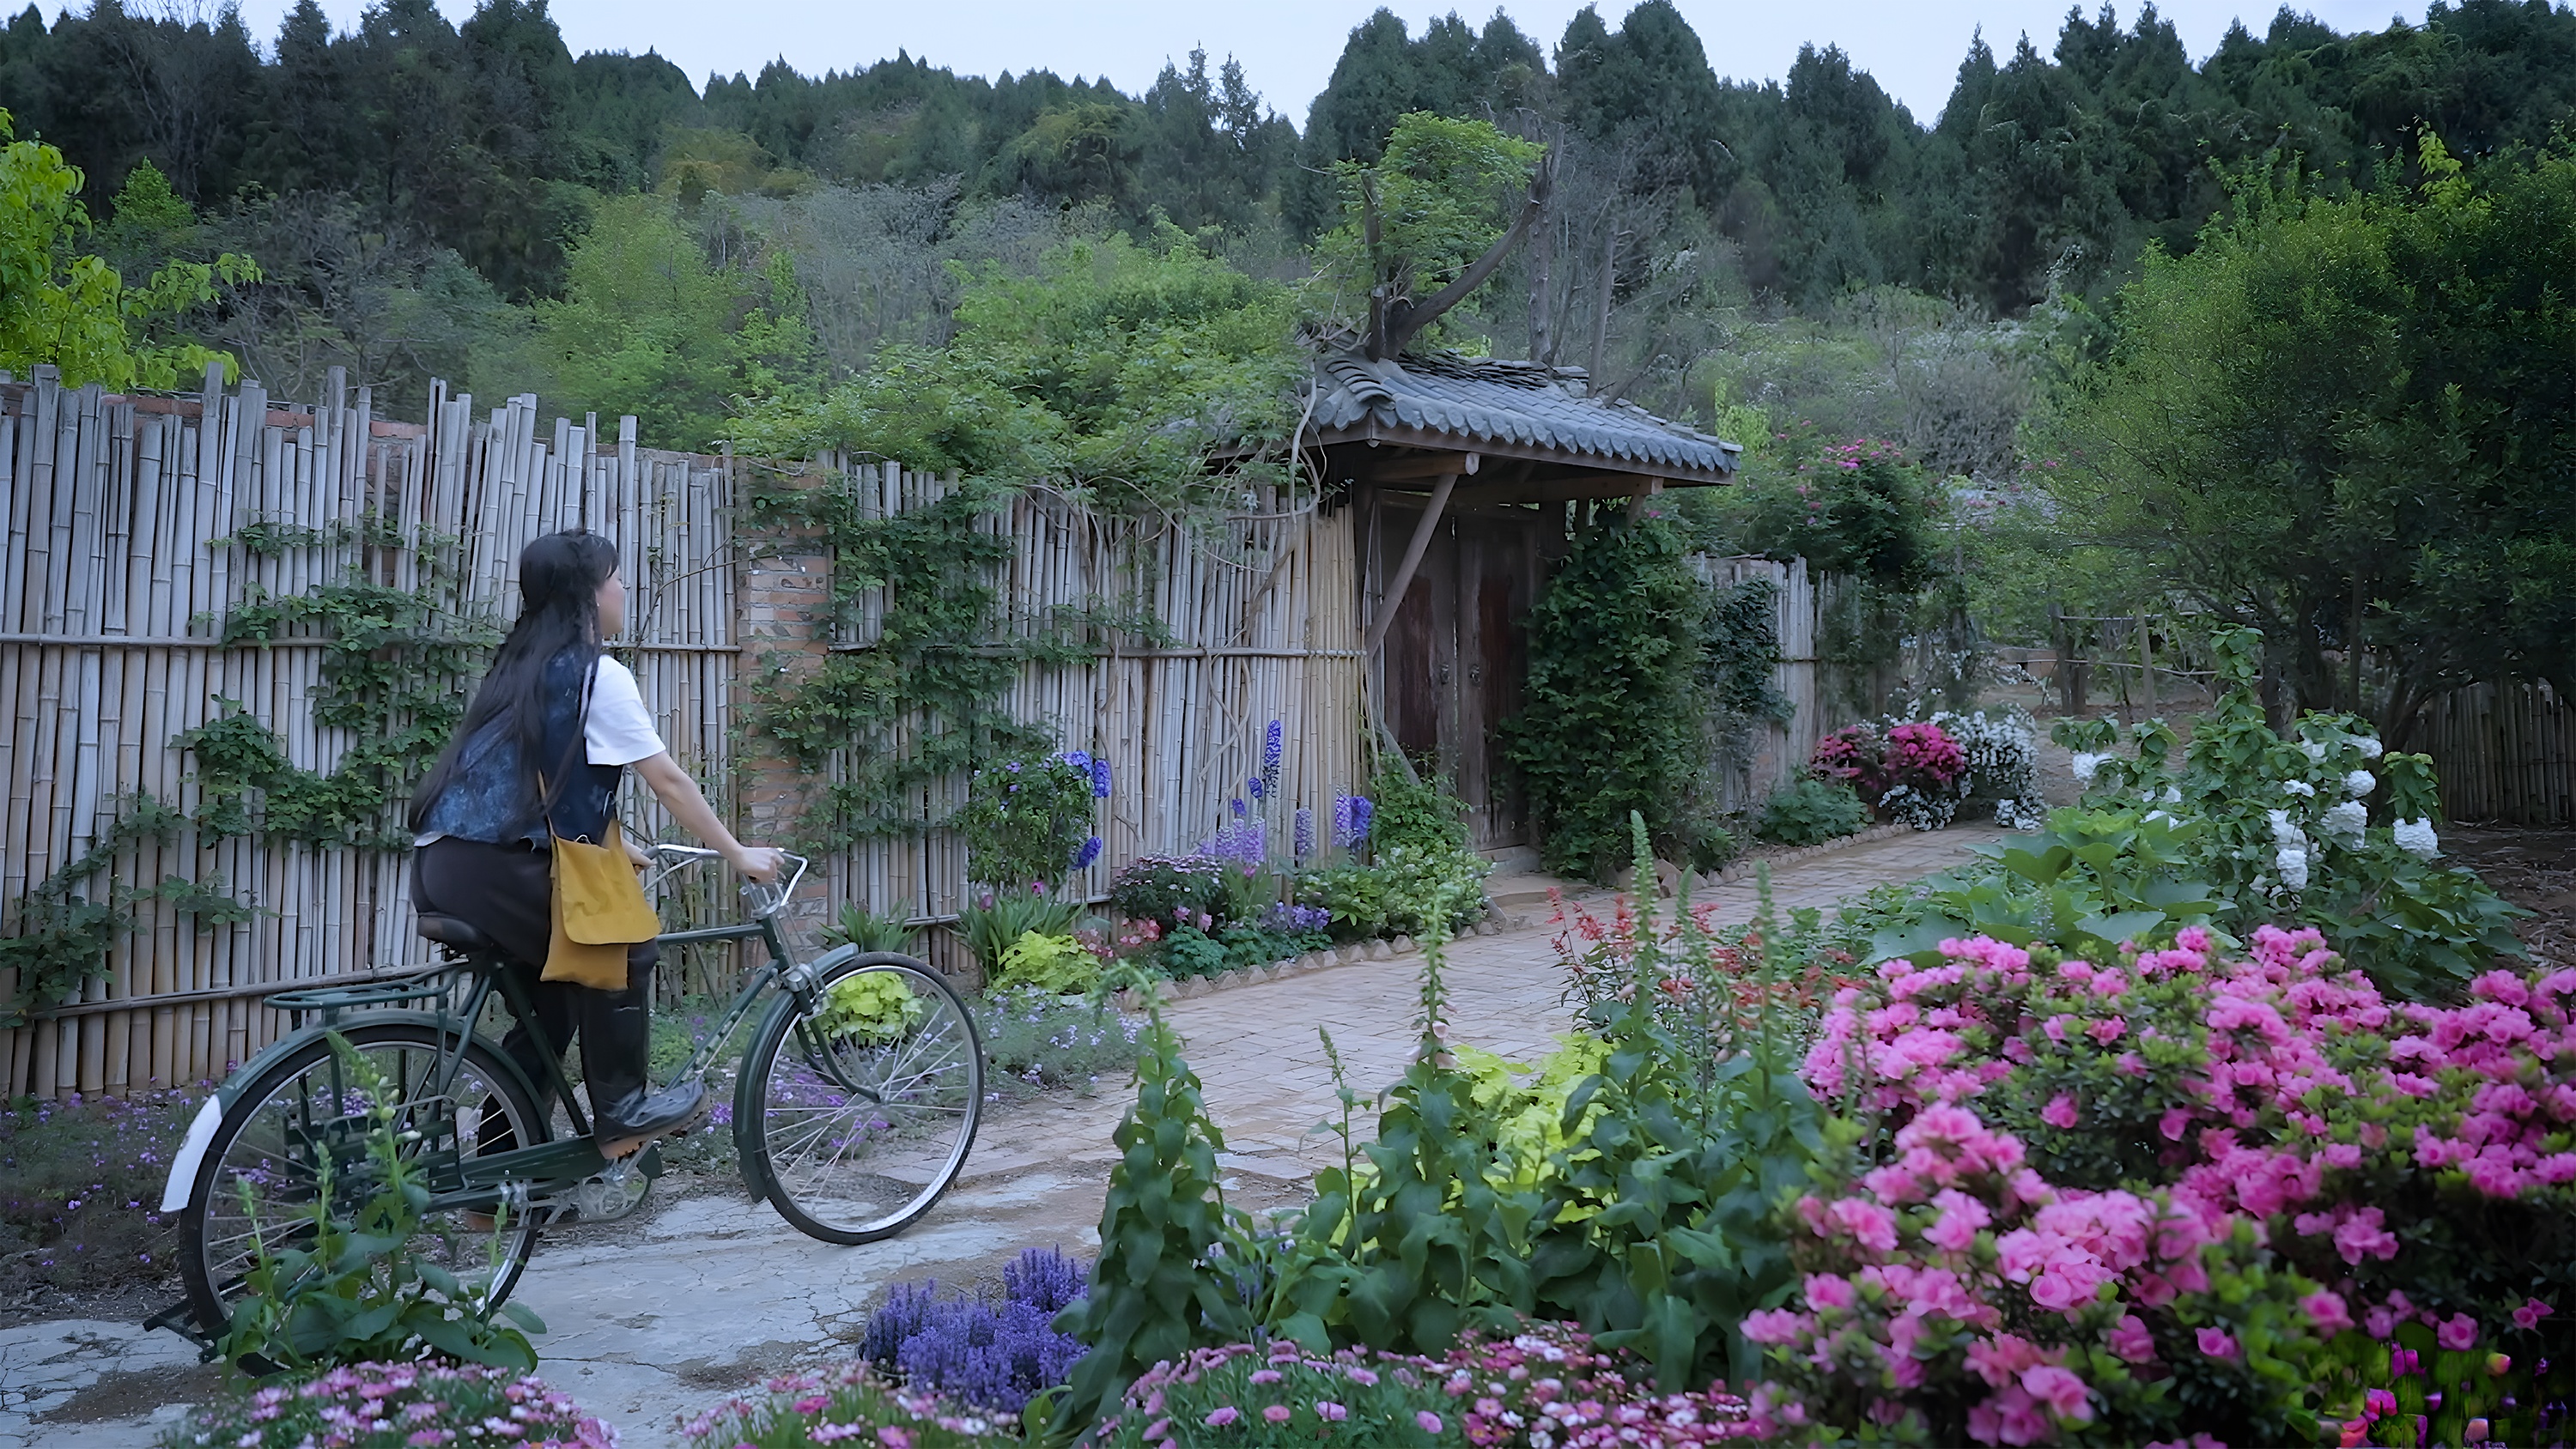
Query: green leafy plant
x=1055, y=964
x=875, y=1005
x=992, y=925
x=1809, y=811
x=1037, y=1039
x=1169, y=889
x=1614, y=723
x=1025, y=820
x=2090, y=881
x=1155, y=1293
x=2318, y=825
x=338, y=1289
x=873, y=931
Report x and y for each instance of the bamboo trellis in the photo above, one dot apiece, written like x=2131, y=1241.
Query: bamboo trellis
x=112, y=587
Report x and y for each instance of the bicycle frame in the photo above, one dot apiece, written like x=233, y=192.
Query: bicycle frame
x=480, y=1180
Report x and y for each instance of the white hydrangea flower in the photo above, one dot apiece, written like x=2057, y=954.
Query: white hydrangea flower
x=2368, y=745
x=2315, y=750
x=2344, y=824
x=2417, y=839
x=2284, y=831
x=2086, y=766
x=2292, y=862
x=2360, y=783
x=2300, y=788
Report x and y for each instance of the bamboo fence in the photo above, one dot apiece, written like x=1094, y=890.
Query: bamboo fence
x=113, y=586
x=2505, y=752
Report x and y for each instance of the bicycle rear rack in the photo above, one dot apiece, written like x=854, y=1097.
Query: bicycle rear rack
x=333, y=1001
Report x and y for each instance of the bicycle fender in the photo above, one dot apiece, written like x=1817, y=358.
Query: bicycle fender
x=183, y=1168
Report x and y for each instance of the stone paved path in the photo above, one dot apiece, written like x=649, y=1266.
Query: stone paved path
x=706, y=1291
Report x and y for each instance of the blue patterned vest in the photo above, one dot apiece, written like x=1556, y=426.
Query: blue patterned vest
x=483, y=800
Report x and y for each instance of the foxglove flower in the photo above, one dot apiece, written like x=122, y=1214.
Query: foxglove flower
x=2417, y=839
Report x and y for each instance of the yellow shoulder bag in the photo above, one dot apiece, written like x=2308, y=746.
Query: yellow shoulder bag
x=599, y=910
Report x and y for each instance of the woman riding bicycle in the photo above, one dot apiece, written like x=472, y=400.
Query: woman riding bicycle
x=540, y=754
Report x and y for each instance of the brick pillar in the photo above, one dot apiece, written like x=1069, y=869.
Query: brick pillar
x=784, y=624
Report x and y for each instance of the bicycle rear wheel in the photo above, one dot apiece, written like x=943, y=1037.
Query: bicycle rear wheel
x=853, y=1117
x=274, y=1139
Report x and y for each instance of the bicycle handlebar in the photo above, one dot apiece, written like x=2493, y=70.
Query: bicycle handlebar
x=766, y=898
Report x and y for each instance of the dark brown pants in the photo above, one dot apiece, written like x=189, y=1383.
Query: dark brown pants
x=507, y=893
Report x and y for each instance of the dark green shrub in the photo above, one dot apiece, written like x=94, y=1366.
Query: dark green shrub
x=1811, y=812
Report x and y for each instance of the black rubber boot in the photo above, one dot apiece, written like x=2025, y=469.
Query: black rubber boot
x=616, y=1040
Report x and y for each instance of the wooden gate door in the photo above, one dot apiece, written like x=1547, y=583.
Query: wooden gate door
x=1455, y=658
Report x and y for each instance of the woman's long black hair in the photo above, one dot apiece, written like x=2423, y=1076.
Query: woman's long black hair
x=559, y=579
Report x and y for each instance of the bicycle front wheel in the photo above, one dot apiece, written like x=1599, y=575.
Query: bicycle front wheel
x=306, y=1120
x=853, y=1116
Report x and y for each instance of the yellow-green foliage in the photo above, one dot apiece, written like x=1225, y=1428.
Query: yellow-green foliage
x=874, y=1005
x=1530, y=1115
x=1056, y=964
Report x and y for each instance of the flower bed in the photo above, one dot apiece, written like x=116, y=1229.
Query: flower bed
x=846, y=1404
x=1547, y=1387
x=396, y=1406
x=80, y=1189
x=2183, y=1191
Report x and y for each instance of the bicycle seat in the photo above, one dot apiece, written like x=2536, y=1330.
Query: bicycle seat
x=452, y=932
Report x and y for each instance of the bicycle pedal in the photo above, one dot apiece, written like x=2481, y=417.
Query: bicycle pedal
x=611, y=1194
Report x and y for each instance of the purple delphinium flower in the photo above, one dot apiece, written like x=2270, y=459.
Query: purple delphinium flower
x=1079, y=759
x=1254, y=785
x=1351, y=819
x=1238, y=807
x=1099, y=778
x=1271, y=741
x=1305, y=835
x=1089, y=852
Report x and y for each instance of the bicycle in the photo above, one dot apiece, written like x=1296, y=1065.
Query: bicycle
x=853, y=1109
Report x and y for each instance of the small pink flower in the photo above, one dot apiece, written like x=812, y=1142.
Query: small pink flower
x=1276, y=1413
x=2530, y=1314
x=2327, y=1311
x=2060, y=1111
x=1429, y=1421
x=2061, y=1390
x=2216, y=1342
x=2459, y=1332
x=2131, y=1341
x=1330, y=1412
x=1223, y=1415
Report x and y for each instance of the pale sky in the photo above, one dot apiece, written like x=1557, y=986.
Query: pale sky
x=1913, y=47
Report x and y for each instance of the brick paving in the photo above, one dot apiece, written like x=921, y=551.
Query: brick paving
x=1268, y=1086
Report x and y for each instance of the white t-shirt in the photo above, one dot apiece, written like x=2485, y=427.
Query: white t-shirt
x=619, y=730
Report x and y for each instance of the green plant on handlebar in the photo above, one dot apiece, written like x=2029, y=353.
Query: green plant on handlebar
x=326, y=1290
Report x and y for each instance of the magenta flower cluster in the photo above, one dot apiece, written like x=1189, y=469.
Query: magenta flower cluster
x=2299, y=1130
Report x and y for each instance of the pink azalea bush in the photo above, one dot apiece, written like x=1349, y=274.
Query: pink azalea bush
x=1913, y=771
x=2187, y=1187
x=396, y=1406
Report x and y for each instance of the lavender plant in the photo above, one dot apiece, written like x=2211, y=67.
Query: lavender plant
x=988, y=1355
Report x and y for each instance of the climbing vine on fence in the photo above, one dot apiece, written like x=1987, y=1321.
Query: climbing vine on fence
x=925, y=700
x=391, y=659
